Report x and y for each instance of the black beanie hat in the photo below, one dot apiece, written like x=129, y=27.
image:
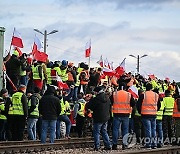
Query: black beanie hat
x=3, y=91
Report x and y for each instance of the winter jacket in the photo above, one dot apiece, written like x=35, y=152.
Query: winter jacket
x=49, y=106
x=101, y=107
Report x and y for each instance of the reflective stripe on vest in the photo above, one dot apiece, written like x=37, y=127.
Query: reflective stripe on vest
x=17, y=104
x=176, y=112
x=36, y=73
x=169, y=105
x=81, y=111
x=48, y=72
x=2, y=108
x=149, y=104
x=64, y=75
x=36, y=111
x=160, y=112
x=121, y=102
x=22, y=73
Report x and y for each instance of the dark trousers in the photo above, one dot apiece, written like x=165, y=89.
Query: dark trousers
x=80, y=122
x=18, y=126
x=9, y=127
x=168, y=127
x=2, y=129
x=138, y=128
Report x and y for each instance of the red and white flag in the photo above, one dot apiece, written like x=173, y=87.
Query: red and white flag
x=108, y=72
x=37, y=45
x=16, y=39
x=106, y=63
x=88, y=49
x=120, y=69
x=100, y=61
x=134, y=91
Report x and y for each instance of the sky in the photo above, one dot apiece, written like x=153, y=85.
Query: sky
x=117, y=28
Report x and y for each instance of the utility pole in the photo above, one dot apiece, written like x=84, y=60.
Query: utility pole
x=45, y=36
x=2, y=30
x=138, y=61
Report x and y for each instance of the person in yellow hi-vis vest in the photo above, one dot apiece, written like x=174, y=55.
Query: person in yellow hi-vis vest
x=65, y=109
x=168, y=121
x=159, y=128
x=3, y=120
x=20, y=113
x=8, y=112
x=79, y=115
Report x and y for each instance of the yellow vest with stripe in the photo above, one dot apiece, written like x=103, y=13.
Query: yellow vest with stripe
x=36, y=72
x=22, y=73
x=67, y=108
x=36, y=111
x=63, y=108
x=168, y=105
x=17, y=104
x=160, y=112
x=2, y=108
x=64, y=75
x=58, y=70
x=77, y=80
x=81, y=110
x=48, y=72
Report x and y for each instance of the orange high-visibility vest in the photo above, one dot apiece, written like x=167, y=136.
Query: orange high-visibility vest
x=149, y=104
x=121, y=102
x=176, y=112
x=85, y=80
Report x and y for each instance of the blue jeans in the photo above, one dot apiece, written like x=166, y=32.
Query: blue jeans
x=159, y=131
x=101, y=128
x=67, y=121
x=124, y=122
x=150, y=131
x=75, y=93
x=24, y=80
x=31, y=128
x=51, y=124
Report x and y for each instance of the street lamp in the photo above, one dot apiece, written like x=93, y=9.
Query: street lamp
x=45, y=36
x=138, y=58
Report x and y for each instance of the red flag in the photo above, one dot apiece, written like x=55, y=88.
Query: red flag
x=19, y=51
x=40, y=56
x=88, y=49
x=37, y=45
x=100, y=61
x=16, y=39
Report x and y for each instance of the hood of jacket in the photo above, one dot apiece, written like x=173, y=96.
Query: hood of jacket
x=101, y=96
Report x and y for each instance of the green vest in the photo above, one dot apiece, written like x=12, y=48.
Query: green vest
x=165, y=86
x=10, y=112
x=36, y=111
x=63, y=108
x=17, y=104
x=160, y=112
x=137, y=113
x=168, y=105
x=160, y=88
x=36, y=72
x=81, y=110
x=48, y=72
x=22, y=73
x=2, y=107
x=64, y=75
x=77, y=80
x=58, y=70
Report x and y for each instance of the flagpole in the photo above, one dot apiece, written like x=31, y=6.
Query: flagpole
x=11, y=41
x=89, y=61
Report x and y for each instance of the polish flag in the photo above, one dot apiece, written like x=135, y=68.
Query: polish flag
x=88, y=49
x=134, y=91
x=106, y=63
x=100, y=61
x=108, y=72
x=120, y=69
x=37, y=45
x=16, y=39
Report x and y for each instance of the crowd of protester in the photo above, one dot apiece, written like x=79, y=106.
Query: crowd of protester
x=40, y=96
